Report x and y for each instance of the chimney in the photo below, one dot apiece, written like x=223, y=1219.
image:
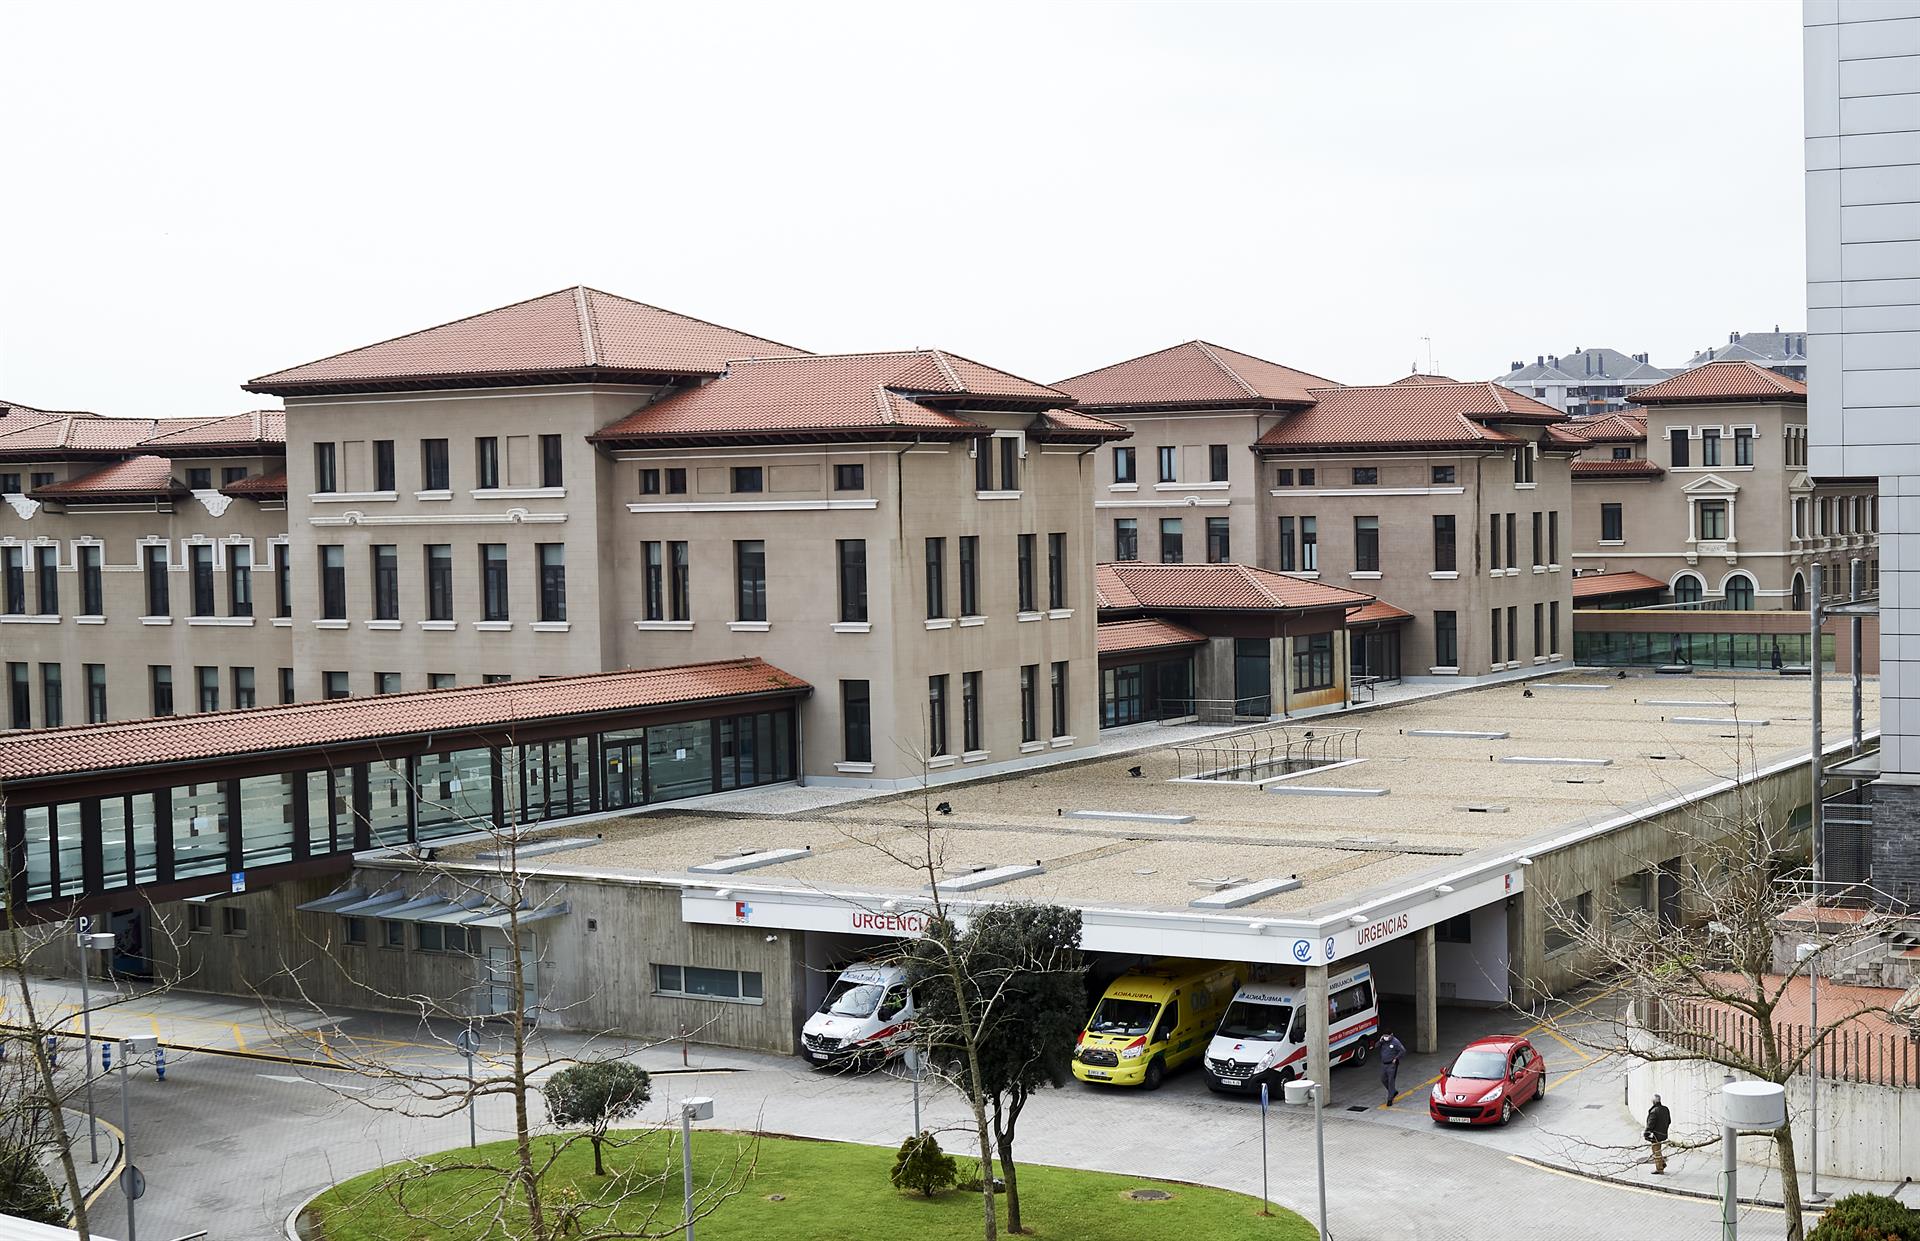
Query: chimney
x=1514, y=367
x=1733, y=338
x=1539, y=359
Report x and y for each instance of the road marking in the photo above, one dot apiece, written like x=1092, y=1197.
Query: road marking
x=308, y=1081
x=1649, y=1190
x=113, y=1173
x=1541, y=1028
x=1569, y=1046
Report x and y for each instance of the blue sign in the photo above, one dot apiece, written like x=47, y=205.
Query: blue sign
x=1329, y=950
x=239, y=881
x=1302, y=950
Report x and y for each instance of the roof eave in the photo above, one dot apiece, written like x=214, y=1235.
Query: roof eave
x=267, y=385
x=839, y=435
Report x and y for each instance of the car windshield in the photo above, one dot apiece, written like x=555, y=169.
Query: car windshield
x=1481, y=1065
x=852, y=999
x=1246, y=1019
x=1123, y=1016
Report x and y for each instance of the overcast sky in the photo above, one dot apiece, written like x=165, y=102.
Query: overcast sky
x=195, y=194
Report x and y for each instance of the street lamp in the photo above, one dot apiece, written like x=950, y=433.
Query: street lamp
x=1743, y=1106
x=690, y=1111
x=468, y=1040
x=89, y=944
x=1299, y=1091
x=1805, y=953
x=132, y=1184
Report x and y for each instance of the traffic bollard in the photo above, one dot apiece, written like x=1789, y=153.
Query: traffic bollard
x=160, y=1063
x=53, y=1052
x=106, y=1057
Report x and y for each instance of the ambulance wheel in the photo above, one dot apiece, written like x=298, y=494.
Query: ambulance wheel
x=1360, y=1052
x=1156, y=1073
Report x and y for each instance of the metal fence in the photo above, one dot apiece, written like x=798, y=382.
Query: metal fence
x=1212, y=710
x=1847, y=1054
x=1260, y=753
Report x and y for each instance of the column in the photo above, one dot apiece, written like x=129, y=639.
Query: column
x=1319, y=1019
x=1426, y=1002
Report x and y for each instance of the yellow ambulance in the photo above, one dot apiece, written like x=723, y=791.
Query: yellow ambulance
x=1153, y=1019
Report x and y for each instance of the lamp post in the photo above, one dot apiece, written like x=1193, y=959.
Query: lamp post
x=1806, y=953
x=467, y=1041
x=132, y=1184
x=690, y=1111
x=89, y=944
x=1743, y=1106
x=1299, y=1091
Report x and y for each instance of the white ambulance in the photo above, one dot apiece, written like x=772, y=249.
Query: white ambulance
x=865, y=1019
x=1262, y=1036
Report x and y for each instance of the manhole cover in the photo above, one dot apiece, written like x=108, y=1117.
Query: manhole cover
x=1149, y=1195
x=1354, y=1107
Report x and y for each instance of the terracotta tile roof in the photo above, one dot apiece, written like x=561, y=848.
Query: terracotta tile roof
x=1638, y=467
x=89, y=434
x=1125, y=585
x=1122, y=636
x=1605, y=585
x=1379, y=612
x=1073, y=424
x=173, y=739
x=577, y=333
x=1418, y=378
x=843, y=394
x=1195, y=374
x=136, y=476
x=257, y=427
x=1618, y=427
x=1441, y=415
x=1723, y=381
x=258, y=486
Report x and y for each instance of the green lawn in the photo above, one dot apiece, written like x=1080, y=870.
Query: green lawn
x=827, y=1191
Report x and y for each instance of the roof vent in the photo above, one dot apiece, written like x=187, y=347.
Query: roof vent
x=1218, y=884
x=1245, y=893
x=752, y=860
x=990, y=877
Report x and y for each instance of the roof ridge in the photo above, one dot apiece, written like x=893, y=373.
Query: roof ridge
x=1226, y=370
x=680, y=315
x=341, y=353
x=946, y=367
x=884, y=399
x=584, y=309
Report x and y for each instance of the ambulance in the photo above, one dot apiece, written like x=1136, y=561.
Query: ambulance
x=1263, y=1036
x=865, y=1019
x=1152, y=1020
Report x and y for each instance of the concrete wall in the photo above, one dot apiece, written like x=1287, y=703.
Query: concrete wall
x=1194, y=496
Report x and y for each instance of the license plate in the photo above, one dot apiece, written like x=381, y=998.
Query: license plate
x=1233, y=1081
x=1102, y=1074
x=1459, y=1120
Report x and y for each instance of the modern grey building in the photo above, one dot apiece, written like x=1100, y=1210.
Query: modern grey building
x=1784, y=353
x=1586, y=381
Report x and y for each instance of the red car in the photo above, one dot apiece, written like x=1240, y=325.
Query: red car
x=1488, y=1081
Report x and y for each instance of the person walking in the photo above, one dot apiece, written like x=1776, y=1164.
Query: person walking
x=1659, y=1120
x=1392, y=1052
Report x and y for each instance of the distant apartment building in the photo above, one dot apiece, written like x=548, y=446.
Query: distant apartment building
x=1705, y=489
x=1784, y=353
x=1448, y=501
x=1584, y=382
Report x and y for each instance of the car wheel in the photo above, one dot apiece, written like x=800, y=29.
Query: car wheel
x=1540, y=1088
x=1156, y=1073
x=1506, y=1111
x=1360, y=1053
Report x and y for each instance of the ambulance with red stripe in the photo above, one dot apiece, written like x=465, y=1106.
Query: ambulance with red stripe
x=1263, y=1034
x=865, y=1019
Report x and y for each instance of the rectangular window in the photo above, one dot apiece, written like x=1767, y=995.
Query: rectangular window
x=486, y=462
x=1288, y=561
x=970, y=712
x=92, y=598
x=442, y=680
x=693, y=982
x=333, y=582
x=1677, y=446
x=1126, y=538
x=748, y=478
x=155, y=559
x=1493, y=626
x=936, y=578
x=1029, y=702
x=1710, y=446
x=856, y=722
x=1123, y=465
x=1366, y=544
x=1445, y=553
x=1513, y=634
x=282, y=580
x=96, y=693
x=53, y=708
x=1219, y=542
x=386, y=682
x=1309, y=545
x=386, y=581
x=852, y=559
x=1173, y=543
x=326, y=477
x=160, y=686
x=936, y=716
x=550, y=466
x=1539, y=629
x=286, y=685
x=1056, y=571
x=208, y=682
x=1513, y=540
x=239, y=580
x=650, y=482
x=850, y=477
x=654, y=584
x=1713, y=519
x=1446, y=640
x=679, y=582
x=1538, y=543
x=1553, y=627
x=677, y=481
x=1366, y=476
x=1313, y=662
x=334, y=685
x=1553, y=536
x=553, y=582
x=970, y=575
x=1217, y=463
x=200, y=579
x=1009, y=463
x=1493, y=543
x=10, y=483
x=1169, y=463
x=1283, y=478
x=1523, y=464
x=983, y=465
x=383, y=474
x=243, y=689
x=1622, y=453
x=439, y=581
x=1611, y=528
x=20, y=696
x=750, y=579
x=1442, y=475
x=1025, y=579
x=434, y=474
x=1306, y=477
x=493, y=582
x=46, y=568
x=1743, y=445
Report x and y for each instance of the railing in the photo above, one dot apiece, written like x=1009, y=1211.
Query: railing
x=1261, y=753
x=1847, y=1054
x=1213, y=710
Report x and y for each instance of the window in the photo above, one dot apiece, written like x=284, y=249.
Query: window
x=1025, y=581
x=200, y=570
x=1309, y=545
x=393, y=934
x=856, y=722
x=1366, y=544
x=493, y=581
x=1513, y=540
x=1539, y=629
x=1553, y=536
x=1283, y=478
x=1493, y=543
x=1306, y=478
x=1029, y=702
x=1553, y=627
x=46, y=569
x=677, y=481
x=1219, y=541
x=1442, y=474
x=239, y=580
x=1569, y=923
x=750, y=579
x=1172, y=542
x=20, y=696
x=442, y=680
x=1057, y=571
x=199, y=918
x=282, y=581
x=10, y=483
x=326, y=476
x=1169, y=463
x=434, y=474
x=208, y=680
x=96, y=693
x=1523, y=464
x=1622, y=453
x=53, y=708
x=386, y=682
x=1446, y=639
x=383, y=474
x=243, y=691
x=334, y=685
x=650, y=482
x=1677, y=446
x=1313, y=662
x=970, y=712
x=850, y=477
x=1445, y=553
x=936, y=715
x=970, y=575
x=1710, y=446
x=286, y=685
x=1009, y=462
x=439, y=581
x=1126, y=538
x=356, y=930
x=983, y=465
x=936, y=578
x=386, y=581
x=486, y=462
x=1513, y=633
x=433, y=937
x=1687, y=588
x=156, y=562
x=748, y=478
x=550, y=467
x=698, y=983
x=1743, y=445
x=1123, y=465
x=160, y=688
x=92, y=602
x=1713, y=519
x=679, y=582
x=654, y=586
x=1217, y=463
x=1612, y=530
x=1288, y=562
x=494, y=678
x=553, y=582
x=1059, y=686
x=1493, y=624
x=852, y=559
x=333, y=582
x=1366, y=475
x=1537, y=541
x=1740, y=594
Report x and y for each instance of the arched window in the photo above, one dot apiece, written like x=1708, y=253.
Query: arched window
x=1740, y=594
x=1687, y=588
x=1799, y=593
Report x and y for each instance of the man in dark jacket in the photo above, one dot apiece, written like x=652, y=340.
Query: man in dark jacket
x=1392, y=1052
x=1658, y=1122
